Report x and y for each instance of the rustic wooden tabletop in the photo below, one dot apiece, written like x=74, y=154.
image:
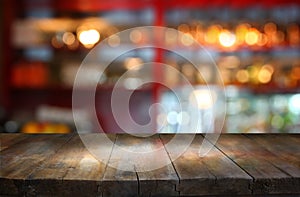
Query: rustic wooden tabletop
x=239, y=164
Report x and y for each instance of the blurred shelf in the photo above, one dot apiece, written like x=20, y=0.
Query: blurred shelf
x=274, y=90
x=256, y=89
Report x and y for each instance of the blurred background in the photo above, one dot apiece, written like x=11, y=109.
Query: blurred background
x=256, y=46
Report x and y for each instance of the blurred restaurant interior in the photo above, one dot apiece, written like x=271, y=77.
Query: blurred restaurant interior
x=254, y=44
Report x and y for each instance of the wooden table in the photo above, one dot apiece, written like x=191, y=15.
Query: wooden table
x=60, y=165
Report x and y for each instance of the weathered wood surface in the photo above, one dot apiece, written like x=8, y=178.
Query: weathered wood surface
x=9, y=140
x=20, y=161
x=271, y=174
x=213, y=174
x=60, y=165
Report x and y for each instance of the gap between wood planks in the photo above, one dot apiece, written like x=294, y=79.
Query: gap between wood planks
x=172, y=166
x=250, y=186
x=271, y=161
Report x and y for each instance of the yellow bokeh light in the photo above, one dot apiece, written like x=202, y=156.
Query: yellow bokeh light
x=212, y=34
x=253, y=71
x=229, y=62
x=262, y=39
x=226, y=38
x=89, y=37
x=264, y=75
x=242, y=76
x=252, y=36
x=133, y=63
x=269, y=68
x=241, y=31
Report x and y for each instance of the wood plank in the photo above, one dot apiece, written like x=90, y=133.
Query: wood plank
x=286, y=147
x=130, y=162
x=71, y=171
x=9, y=139
x=214, y=174
x=159, y=178
x=60, y=165
x=260, y=163
x=115, y=180
x=19, y=161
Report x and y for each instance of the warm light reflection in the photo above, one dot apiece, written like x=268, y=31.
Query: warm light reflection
x=89, y=37
x=251, y=37
x=242, y=76
x=253, y=71
x=187, y=39
x=68, y=38
x=136, y=36
x=293, y=34
x=133, y=63
x=226, y=38
x=229, y=62
x=269, y=68
x=212, y=33
x=296, y=72
x=270, y=28
x=183, y=28
x=265, y=74
x=278, y=37
x=262, y=39
x=241, y=31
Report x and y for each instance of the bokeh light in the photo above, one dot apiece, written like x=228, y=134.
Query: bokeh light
x=252, y=36
x=68, y=38
x=226, y=38
x=89, y=37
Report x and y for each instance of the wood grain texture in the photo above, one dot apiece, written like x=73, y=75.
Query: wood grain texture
x=60, y=165
x=7, y=139
x=71, y=171
x=286, y=148
x=260, y=163
x=210, y=175
x=18, y=162
x=115, y=180
x=162, y=180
